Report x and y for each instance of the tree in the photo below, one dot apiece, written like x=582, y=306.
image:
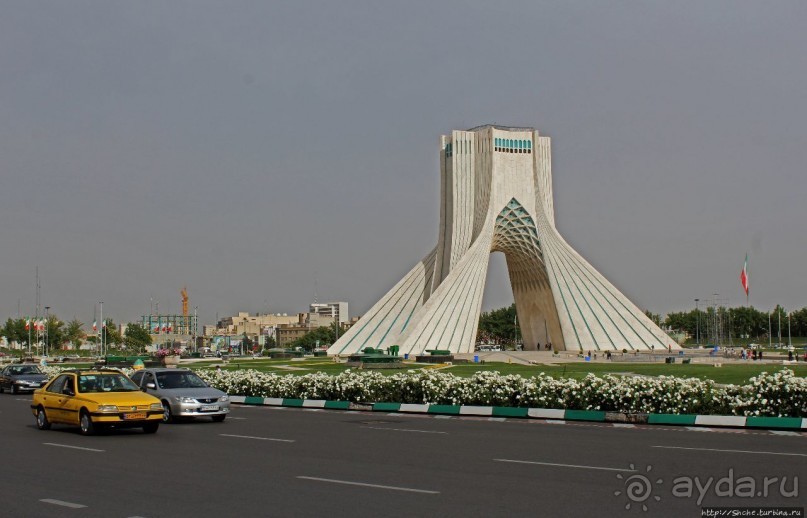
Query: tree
x=110, y=332
x=498, y=326
x=246, y=343
x=55, y=332
x=316, y=337
x=14, y=331
x=74, y=333
x=137, y=337
x=654, y=317
x=270, y=343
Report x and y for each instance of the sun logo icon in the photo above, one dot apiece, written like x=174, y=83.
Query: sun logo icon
x=638, y=488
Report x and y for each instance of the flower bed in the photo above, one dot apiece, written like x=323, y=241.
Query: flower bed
x=782, y=394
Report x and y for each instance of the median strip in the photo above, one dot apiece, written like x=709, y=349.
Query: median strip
x=550, y=415
x=364, y=484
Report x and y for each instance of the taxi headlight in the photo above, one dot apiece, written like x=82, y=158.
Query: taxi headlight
x=156, y=406
x=107, y=408
x=225, y=397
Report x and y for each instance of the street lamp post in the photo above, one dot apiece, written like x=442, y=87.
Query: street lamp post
x=697, y=322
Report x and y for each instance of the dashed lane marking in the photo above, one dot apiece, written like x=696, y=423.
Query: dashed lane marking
x=72, y=447
x=734, y=451
x=375, y=486
x=255, y=438
x=402, y=429
x=62, y=503
x=561, y=465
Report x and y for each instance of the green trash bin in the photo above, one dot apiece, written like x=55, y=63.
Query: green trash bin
x=393, y=350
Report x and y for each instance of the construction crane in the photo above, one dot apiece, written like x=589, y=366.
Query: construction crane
x=184, y=293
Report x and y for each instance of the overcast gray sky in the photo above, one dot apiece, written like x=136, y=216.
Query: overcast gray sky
x=243, y=149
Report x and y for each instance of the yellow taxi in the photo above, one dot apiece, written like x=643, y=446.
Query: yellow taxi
x=95, y=399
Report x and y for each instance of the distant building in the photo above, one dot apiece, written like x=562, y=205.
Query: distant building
x=306, y=322
x=336, y=310
x=252, y=325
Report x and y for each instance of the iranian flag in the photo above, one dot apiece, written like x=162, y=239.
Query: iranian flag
x=744, y=276
x=27, y=324
x=94, y=325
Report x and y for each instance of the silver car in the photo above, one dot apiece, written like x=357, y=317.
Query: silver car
x=183, y=394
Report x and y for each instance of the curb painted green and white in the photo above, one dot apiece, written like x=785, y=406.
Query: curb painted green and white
x=716, y=421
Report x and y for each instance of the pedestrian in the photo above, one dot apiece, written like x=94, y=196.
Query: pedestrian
x=760, y=355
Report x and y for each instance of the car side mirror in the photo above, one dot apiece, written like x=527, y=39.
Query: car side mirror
x=151, y=386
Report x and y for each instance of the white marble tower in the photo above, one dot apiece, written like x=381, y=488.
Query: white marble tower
x=496, y=192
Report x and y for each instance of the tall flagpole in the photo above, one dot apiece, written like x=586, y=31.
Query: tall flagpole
x=102, y=326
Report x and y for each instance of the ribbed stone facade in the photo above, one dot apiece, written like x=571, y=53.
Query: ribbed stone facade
x=496, y=192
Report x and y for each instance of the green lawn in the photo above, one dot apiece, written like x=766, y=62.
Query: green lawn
x=736, y=374
x=728, y=373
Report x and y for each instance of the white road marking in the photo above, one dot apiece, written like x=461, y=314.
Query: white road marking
x=363, y=484
x=62, y=503
x=698, y=429
x=401, y=429
x=21, y=399
x=239, y=418
x=256, y=438
x=72, y=447
x=734, y=451
x=783, y=432
x=624, y=425
x=562, y=465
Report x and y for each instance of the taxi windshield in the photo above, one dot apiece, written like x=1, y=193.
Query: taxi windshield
x=105, y=383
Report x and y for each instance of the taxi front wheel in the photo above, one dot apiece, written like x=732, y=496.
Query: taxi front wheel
x=85, y=423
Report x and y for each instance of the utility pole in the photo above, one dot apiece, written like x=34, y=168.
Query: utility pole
x=697, y=322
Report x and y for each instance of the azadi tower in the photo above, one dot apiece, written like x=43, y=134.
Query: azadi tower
x=496, y=192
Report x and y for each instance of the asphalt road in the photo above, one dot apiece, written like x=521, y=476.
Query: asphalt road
x=266, y=461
